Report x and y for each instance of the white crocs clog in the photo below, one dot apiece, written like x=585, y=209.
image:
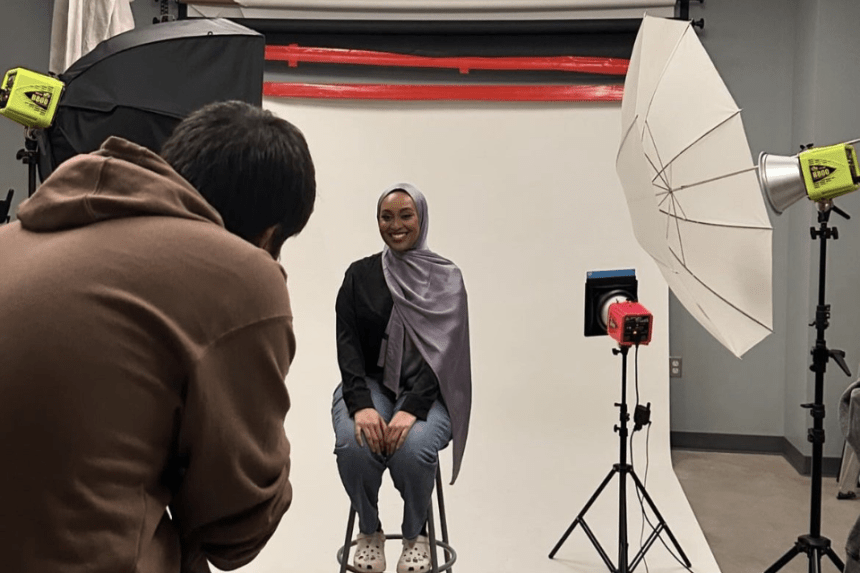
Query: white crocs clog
x=370, y=552
x=416, y=555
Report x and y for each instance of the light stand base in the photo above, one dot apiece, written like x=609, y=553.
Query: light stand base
x=815, y=548
x=623, y=566
x=623, y=469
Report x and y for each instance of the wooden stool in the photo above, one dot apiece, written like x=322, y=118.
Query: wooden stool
x=435, y=567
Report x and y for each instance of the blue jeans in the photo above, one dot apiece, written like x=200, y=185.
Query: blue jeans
x=412, y=467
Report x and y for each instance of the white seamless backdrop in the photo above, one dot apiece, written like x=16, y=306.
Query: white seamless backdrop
x=524, y=198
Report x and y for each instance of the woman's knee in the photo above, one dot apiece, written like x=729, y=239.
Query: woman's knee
x=418, y=448
x=345, y=444
x=350, y=454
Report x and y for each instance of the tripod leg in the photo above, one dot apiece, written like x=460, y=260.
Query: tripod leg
x=581, y=513
x=782, y=561
x=835, y=558
x=815, y=562
x=662, y=521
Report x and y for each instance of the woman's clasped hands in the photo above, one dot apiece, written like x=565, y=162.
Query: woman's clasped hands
x=382, y=438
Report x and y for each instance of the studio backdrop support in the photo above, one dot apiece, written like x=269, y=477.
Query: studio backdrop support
x=683, y=9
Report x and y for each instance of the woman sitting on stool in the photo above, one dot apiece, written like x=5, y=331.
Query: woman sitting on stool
x=406, y=390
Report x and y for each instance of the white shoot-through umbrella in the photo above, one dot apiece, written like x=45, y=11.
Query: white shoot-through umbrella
x=691, y=187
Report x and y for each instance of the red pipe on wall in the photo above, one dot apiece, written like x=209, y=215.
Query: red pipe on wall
x=293, y=54
x=401, y=92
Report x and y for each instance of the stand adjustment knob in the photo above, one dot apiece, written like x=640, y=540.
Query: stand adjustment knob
x=817, y=409
x=815, y=436
x=839, y=357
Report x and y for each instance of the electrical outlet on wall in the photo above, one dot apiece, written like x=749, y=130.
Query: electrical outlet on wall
x=674, y=367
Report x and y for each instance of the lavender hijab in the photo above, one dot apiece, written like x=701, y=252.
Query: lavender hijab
x=429, y=307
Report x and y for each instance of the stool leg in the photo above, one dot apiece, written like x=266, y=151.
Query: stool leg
x=350, y=524
x=443, y=521
x=431, y=530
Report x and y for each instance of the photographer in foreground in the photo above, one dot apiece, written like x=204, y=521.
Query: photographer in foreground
x=145, y=334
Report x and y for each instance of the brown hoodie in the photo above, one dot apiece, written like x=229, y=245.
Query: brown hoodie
x=143, y=351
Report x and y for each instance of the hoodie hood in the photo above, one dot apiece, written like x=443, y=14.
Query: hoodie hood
x=121, y=179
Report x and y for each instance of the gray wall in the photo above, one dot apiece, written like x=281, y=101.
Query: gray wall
x=792, y=66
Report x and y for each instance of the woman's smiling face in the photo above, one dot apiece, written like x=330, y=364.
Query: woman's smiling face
x=398, y=221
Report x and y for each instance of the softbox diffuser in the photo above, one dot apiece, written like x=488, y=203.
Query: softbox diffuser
x=138, y=85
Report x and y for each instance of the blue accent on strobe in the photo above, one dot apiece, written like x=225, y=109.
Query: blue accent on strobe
x=611, y=274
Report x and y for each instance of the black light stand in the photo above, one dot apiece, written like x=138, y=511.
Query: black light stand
x=5, y=205
x=813, y=544
x=622, y=469
x=30, y=157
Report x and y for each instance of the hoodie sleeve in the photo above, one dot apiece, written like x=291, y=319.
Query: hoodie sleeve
x=235, y=486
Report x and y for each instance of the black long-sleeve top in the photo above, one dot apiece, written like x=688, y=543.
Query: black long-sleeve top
x=363, y=308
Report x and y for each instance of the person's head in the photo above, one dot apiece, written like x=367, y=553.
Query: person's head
x=253, y=167
x=401, y=213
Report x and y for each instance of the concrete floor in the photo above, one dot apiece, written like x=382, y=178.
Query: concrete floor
x=752, y=508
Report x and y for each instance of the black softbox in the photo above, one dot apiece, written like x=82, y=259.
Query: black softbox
x=138, y=85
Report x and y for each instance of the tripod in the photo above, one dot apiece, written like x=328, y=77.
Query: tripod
x=813, y=544
x=622, y=469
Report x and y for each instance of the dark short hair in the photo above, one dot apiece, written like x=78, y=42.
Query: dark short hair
x=252, y=166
